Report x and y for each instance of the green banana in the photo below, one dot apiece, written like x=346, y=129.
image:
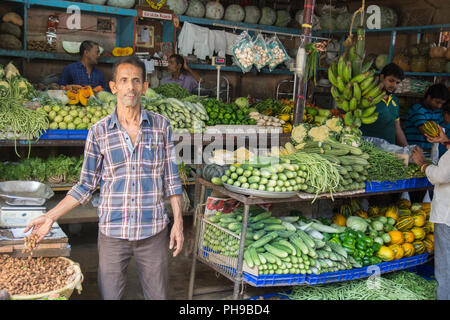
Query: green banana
x=357, y=122
x=340, y=84
x=353, y=104
x=332, y=77
x=360, y=77
x=375, y=92
x=356, y=92
x=358, y=113
x=366, y=83
x=348, y=120
x=378, y=98
x=371, y=119
x=366, y=66
x=347, y=71
x=365, y=103
x=368, y=112
x=335, y=93
x=373, y=85
x=348, y=91
x=352, y=56
x=341, y=66
x=344, y=106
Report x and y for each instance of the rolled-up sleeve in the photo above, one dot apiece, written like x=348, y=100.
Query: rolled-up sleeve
x=90, y=171
x=172, y=181
x=441, y=172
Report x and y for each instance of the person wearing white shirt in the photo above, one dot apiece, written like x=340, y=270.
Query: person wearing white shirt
x=439, y=176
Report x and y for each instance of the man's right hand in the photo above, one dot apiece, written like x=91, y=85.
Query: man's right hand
x=441, y=138
x=41, y=226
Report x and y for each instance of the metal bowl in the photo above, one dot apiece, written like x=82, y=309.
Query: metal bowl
x=25, y=192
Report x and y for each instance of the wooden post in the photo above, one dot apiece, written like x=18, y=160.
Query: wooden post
x=302, y=88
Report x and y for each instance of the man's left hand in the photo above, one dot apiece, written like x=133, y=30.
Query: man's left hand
x=176, y=235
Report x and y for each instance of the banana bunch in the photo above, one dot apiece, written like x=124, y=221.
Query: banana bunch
x=356, y=94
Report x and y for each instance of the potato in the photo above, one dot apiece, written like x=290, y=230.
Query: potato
x=13, y=18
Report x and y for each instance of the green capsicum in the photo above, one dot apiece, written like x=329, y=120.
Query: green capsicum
x=358, y=254
x=375, y=260
x=349, y=241
x=336, y=240
x=360, y=245
x=369, y=252
x=350, y=249
x=376, y=246
x=351, y=233
x=367, y=240
x=360, y=234
x=366, y=261
x=326, y=236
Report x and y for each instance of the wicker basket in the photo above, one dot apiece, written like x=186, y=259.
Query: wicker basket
x=74, y=282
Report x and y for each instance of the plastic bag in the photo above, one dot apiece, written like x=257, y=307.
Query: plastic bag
x=262, y=52
x=386, y=146
x=244, y=53
x=278, y=52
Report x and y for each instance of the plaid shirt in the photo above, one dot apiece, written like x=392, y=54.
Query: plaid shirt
x=75, y=73
x=135, y=180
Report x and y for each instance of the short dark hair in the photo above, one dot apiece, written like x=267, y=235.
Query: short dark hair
x=86, y=45
x=438, y=91
x=392, y=69
x=133, y=60
x=179, y=59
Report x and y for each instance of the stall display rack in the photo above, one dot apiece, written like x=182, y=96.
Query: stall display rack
x=236, y=274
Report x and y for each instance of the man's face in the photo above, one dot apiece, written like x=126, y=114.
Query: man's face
x=128, y=85
x=173, y=66
x=93, y=54
x=434, y=103
x=390, y=83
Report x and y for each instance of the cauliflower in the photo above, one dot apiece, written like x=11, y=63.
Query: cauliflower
x=299, y=133
x=334, y=124
x=320, y=133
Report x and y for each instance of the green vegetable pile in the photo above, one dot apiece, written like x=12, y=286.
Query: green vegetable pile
x=172, y=90
x=270, y=107
x=220, y=112
x=402, y=285
x=384, y=166
x=54, y=170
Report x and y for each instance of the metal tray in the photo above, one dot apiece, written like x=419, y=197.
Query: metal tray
x=21, y=193
x=258, y=193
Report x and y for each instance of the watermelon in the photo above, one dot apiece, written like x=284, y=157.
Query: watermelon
x=73, y=47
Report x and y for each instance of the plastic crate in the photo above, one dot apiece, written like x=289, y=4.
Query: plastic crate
x=264, y=280
x=57, y=134
x=327, y=277
x=382, y=186
x=403, y=263
x=419, y=183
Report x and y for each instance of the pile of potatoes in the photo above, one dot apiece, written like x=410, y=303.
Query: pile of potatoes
x=32, y=276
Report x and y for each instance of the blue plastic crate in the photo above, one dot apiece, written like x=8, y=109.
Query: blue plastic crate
x=57, y=134
x=328, y=277
x=382, y=186
x=403, y=263
x=281, y=295
x=419, y=183
x=263, y=280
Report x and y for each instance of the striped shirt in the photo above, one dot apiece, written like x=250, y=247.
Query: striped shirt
x=134, y=179
x=416, y=117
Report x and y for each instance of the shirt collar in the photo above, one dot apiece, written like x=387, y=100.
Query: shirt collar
x=115, y=120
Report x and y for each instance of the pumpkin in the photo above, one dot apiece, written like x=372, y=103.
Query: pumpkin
x=408, y=236
x=73, y=97
x=426, y=228
x=429, y=245
x=340, y=220
x=392, y=212
x=426, y=206
x=419, y=64
x=430, y=237
x=419, y=233
x=121, y=52
x=345, y=210
x=362, y=214
x=398, y=251
x=430, y=225
x=437, y=52
x=408, y=249
x=419, y=247
x=386, y=254
x=405, y=223
x=396, y=237
x=402, y=61
x=404, y=203
x=419, y=220
x=404, y=212
x=212, y=170
x=373, y=211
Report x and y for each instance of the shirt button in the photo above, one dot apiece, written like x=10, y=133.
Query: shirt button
x=132, y=200
x=133, y=168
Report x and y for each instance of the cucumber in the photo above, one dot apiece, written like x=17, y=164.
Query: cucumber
x=260, y=250
x=248, y=259
x=257, y=226
x=275, y=251
x=269, y=257
x=213, y=218
x=289, y=226
x=274, y=227
x=299, y=243
x=286, y=243
x=258, y=234
x=227, y=219
x=282, y=248
x=272, y=221
x=285, y=234
x=290, y=219
x=254, y=256
x=265, y=239
x=306, y=238
x=234, y=226
x=262, y=258
x=319, y=243
x=261, y=216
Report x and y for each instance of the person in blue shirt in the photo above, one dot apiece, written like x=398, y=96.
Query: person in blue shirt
x=84, y=72
x=388, y=126
x=428, y=109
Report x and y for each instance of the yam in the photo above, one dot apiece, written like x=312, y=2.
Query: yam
x=13, y=18
x=8, y=41
x=10, y=28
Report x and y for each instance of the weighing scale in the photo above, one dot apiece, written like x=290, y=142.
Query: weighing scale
x=218, y=62
x=18, y=210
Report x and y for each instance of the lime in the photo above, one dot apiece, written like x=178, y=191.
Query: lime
x=52, y=115
x=73, y=113
x=77, y=121
x=63, y=113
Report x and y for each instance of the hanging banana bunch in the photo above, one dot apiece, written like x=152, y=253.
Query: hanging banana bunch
x=354, y=86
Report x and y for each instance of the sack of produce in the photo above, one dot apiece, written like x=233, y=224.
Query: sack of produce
x=244, y=53
x=262, y=52
x=8, y=41
x=278, y=52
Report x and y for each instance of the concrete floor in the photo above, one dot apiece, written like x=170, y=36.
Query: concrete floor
x=208, y=283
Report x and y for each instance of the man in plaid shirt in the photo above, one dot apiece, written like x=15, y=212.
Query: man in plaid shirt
x=132, y=155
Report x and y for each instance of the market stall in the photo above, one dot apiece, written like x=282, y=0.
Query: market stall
x=277, y=119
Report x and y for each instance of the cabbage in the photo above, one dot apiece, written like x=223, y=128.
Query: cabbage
x=196, y=9
x=252, y=14
x=315, y=20
x=177, y=6
x=234, y=12
x=268, y=16
x=357, y=223
x=127, y=4
x=283, y=18
x=214, y=10
x=242, y=102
